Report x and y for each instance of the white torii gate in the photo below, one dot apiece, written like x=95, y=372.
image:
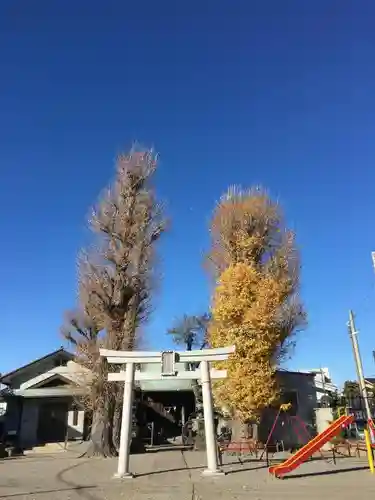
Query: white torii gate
x=167, y=360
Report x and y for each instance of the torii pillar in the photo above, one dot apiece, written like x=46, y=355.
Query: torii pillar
x=167, y=363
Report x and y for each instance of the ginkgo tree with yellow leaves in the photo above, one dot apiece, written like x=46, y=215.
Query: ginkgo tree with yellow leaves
x=255, y=304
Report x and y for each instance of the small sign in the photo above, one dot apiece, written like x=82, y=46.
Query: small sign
x=168, y=363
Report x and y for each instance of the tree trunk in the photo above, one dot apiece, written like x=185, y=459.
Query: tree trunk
x=197, y=391
x=254, y=431
x=117, y=417
x=101, y=438
x=240, y=431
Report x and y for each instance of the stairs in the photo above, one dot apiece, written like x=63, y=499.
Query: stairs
x=75, y=448
x=160, y=410
x=48, y=448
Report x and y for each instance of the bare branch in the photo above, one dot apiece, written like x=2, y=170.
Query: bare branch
x=116, y=277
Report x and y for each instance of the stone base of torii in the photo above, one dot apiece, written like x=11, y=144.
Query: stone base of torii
x=167, y=360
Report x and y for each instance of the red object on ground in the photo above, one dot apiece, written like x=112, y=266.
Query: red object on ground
x=249, y=445
x=371, y=425
x=311, y=447
x=372, y=430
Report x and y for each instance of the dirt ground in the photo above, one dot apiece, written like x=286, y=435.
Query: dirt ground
x=175, y=474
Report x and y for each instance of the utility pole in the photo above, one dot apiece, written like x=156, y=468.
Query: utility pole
x=373, y=265
x=353, y=334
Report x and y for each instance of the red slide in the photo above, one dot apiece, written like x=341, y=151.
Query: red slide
x=311, y=447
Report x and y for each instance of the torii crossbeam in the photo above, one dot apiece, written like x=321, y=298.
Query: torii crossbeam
x=167, y=360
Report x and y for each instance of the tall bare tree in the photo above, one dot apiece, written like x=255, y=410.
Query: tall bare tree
x=116, y=280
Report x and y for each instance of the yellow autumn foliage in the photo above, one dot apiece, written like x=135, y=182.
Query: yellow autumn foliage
x=254, y=306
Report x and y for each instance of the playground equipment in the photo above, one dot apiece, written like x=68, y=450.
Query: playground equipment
x=296, y=423
x=358, y=441
x=251, y=446
x=369, y=449
x=371, y=426
x=311, y=447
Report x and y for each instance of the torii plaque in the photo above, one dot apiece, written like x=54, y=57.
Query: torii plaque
x=167, y=360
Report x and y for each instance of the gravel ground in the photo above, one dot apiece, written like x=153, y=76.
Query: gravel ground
x=173, y=474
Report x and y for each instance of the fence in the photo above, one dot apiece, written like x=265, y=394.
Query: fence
x=349, y=404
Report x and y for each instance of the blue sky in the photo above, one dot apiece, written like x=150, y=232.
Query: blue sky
x=270, y=92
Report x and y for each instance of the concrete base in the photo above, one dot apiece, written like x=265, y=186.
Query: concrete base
x=213, y=473
x=127, y=475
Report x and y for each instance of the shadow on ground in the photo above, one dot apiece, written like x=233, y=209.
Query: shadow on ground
x=326, y=472
x=165, y=471
x=45, y=492
x=245, y=469
x=81, y=490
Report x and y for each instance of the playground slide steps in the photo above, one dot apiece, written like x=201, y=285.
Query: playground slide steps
x=311, y=447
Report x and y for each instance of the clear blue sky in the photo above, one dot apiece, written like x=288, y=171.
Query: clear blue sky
x=273, y=92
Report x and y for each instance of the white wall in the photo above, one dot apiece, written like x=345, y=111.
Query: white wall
x=323, y=382
x=3, y=408
x=76, y=431
x=324, y=418
x=72, y=372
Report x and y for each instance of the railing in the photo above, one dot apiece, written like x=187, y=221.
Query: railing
x=352, y=403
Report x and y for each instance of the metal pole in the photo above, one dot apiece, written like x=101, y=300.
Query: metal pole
x=353, y=333
x=271, y=432
x=183, y=417
x=373, y=265
x=370, y=456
